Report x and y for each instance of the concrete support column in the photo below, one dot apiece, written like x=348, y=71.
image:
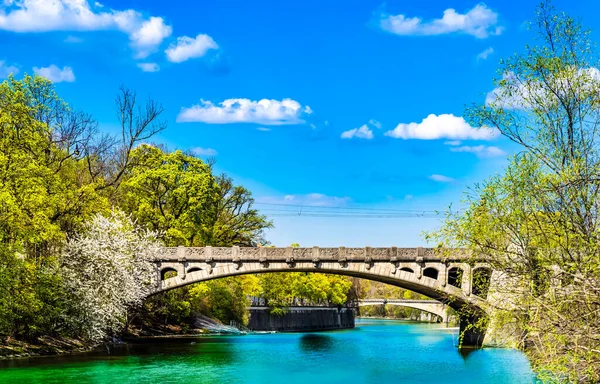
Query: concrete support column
x=445, y=317
x=182, y=266
x=466, y=279
x=158, y=274
x=443, y=274
x=418, y=270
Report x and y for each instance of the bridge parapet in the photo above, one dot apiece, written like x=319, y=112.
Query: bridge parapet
x=287, y=254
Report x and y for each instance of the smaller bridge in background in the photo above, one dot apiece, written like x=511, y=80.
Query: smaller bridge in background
x=430, y=306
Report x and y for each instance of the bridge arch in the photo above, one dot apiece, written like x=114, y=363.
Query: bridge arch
x=402, y=267
x=424, y=285
x=430, y=306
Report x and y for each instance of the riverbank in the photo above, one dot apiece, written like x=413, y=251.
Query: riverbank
x=11, y=348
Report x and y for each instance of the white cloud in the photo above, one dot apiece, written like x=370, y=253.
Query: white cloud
x=485, y=54
x=264, y=129
x=188, y=48
x=149, y=36
x=310, y=199
x=6, y=69
x=445, y=126
x=199, y=151
x=480, y=150
x=480, y=22
x=55, y=74
x=148, y=67
x=23, y=16
x=363, y=132
x=265, y=111
x=453, y=142
x=73, y=39
x=441, y=178
x=375, y=123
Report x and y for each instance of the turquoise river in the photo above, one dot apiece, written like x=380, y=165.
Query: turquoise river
x=376, y=351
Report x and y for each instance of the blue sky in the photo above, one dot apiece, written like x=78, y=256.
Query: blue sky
x=342, y=104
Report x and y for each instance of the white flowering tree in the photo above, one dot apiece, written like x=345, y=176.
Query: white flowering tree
x=107, y=270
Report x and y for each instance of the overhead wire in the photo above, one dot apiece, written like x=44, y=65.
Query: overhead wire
x=344, y=208
x=301, y=210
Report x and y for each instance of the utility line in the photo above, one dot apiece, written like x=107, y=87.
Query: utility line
x=302, y=206
x=303, y=211
x=354, y=216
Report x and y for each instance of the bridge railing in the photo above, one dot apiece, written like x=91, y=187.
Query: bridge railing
x=242, y=254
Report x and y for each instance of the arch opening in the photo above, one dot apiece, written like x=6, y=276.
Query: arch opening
x=431, y=272
x=455, y=277
x=481, y=281
x=437, y=316
x=168, y=273
x=406, y=269
x=193, y=269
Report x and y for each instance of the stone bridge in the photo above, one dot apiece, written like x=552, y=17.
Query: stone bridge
x=430, y=306
x=446, y=278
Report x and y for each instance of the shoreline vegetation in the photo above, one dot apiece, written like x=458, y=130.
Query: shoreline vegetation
x=11, y=348
x=48, y=347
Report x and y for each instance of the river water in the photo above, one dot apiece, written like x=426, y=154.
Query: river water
x=376, y=351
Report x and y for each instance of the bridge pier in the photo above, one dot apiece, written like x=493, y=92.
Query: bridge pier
x=472, y=330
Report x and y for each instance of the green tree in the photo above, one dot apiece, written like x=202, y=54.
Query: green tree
x=45, y=193
x=177, y=195
x=224, y=299
x=230, y=219
x=56, y=172
x=538, y=222
x=169, y=193
x=57, y=169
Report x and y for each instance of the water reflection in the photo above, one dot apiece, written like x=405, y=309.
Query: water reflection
x=316, y=343
x=213, y=350
x=465, y=352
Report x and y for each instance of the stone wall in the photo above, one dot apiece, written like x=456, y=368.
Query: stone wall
x=301, y=319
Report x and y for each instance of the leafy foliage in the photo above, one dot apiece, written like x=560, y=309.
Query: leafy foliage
x=300, y=288
x=168, y=192
x=538, y=222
